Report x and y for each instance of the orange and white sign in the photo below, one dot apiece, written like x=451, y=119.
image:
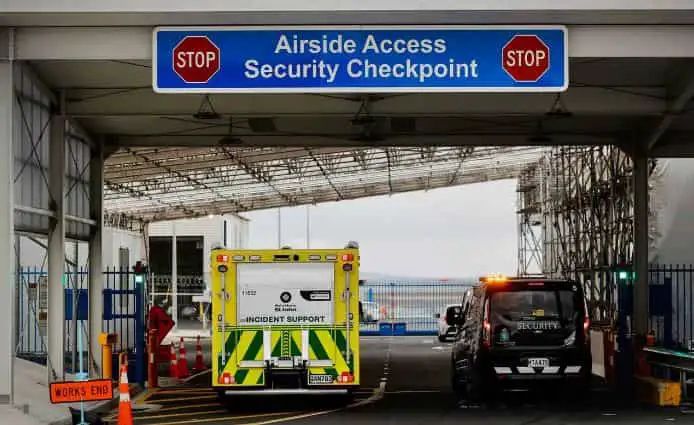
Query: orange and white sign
x=74, y=391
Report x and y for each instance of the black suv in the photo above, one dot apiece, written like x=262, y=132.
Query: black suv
x=515, y=331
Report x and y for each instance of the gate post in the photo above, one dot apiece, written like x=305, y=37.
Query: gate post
x=640, y=187
x=667, y=316
x=139, y=334
x=96, y=271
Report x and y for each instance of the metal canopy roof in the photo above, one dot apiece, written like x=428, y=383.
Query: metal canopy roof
x=165, y=183
x=189, y=155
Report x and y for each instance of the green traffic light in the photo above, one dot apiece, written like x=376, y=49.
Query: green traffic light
x=623, y=275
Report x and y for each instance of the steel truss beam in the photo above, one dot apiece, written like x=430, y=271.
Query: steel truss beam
x=148, y=183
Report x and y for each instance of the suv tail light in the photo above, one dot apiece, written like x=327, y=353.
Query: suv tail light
x=586, y=327
x=486, y=328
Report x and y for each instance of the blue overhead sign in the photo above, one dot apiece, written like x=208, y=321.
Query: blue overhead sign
x=360, y=59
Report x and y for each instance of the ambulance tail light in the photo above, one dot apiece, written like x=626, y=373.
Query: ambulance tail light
x=222, y=258
x=226, y=379
x=347, y=257
x=345, y=378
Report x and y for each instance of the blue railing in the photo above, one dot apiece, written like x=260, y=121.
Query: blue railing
x=413, y=303
x=124, y=312
x=672, y=304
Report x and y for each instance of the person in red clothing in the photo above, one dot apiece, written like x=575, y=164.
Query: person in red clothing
x=160, y=320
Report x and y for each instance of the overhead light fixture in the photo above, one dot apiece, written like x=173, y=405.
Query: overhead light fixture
x=558, y=109
x=206, y=110
x=539, y=137
x=363, y=116
x=230, y=139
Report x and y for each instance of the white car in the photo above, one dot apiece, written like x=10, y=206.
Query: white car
x=370, y=312
x=444, y=329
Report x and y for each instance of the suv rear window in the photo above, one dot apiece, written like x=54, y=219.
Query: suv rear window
x=540, y=316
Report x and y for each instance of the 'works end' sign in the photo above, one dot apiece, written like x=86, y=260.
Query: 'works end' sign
x=360, y=59
x=75, y=391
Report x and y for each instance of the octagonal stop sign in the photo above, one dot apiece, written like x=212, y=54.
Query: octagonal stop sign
x=196, y=59
x=525, y=58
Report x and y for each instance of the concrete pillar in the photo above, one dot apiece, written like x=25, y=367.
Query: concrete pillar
x=7, y=260
x=96, y=267
x=56, y=250
x=640, y=183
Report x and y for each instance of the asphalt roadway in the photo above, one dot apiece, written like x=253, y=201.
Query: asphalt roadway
x=405, y=381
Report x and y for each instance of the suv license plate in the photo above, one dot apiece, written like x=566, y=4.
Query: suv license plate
x=538, y=362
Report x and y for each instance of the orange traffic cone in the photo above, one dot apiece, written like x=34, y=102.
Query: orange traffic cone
x=173, y=363
x=199, y=364
x=182, y=362
x=125, y=410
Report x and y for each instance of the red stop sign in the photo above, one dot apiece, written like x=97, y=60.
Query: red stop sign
x=525, y=58
x=196, y=59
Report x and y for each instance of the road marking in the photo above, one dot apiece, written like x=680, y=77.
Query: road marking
x=144, y=396
x=377, y=395
x=223, y=418
x=167, y=400
x=186, y=391
x=170, y=409
x=413, y=391
x=199, y=412
x=195, y=375
x=289, y=418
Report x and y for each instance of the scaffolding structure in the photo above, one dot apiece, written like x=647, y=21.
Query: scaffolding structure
x=530, y=219
x=575, y=212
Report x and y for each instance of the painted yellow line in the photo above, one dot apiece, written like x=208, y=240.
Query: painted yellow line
x=170, y=409
x=290, y=418
x=168, y=400
x=145, y=396
x=222, y=418
x=203, y=412
x=186, y=391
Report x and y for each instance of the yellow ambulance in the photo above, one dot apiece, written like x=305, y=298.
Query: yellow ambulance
x=285, y=320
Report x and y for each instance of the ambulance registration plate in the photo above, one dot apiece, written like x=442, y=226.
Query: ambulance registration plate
x=538, y=362
x=320, y=379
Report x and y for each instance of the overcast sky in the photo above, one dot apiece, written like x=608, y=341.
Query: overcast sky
x=443, y=233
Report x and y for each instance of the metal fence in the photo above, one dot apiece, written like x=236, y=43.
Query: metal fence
x=671, y=303
x=32, y=311
x=120, y=284
x=413, y=302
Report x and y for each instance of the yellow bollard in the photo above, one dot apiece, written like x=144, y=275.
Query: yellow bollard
x=106, y=341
